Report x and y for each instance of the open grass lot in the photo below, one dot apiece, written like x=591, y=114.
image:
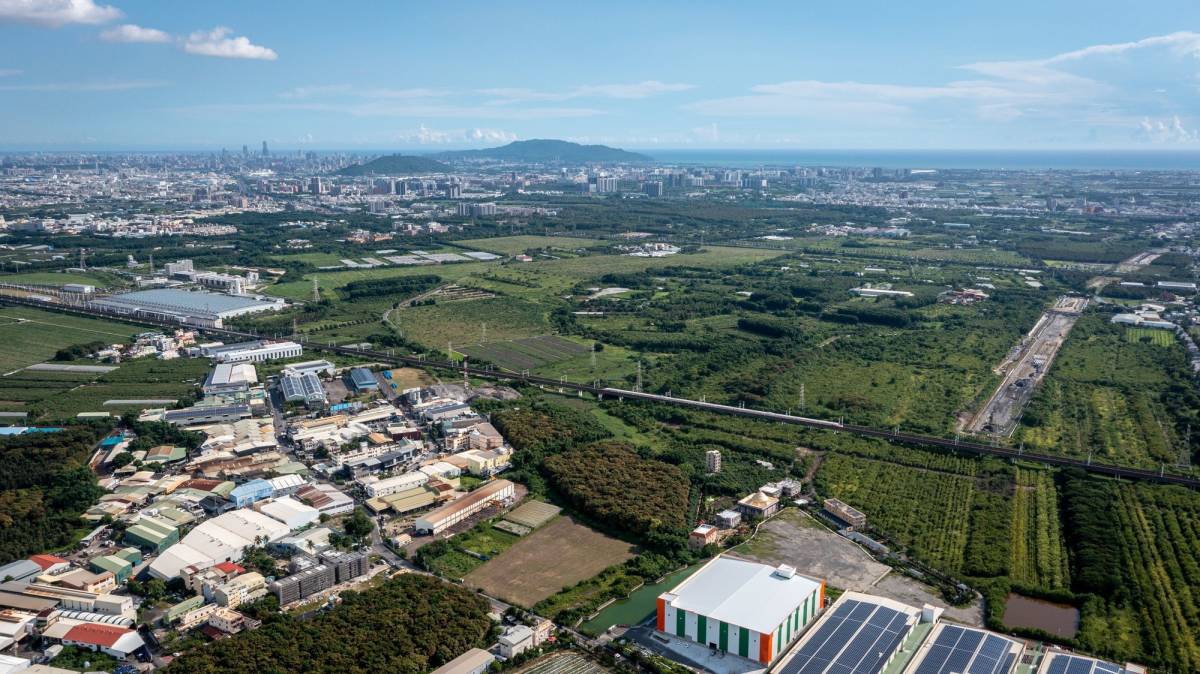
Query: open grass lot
x=471, y=549
x=29, y=336
x=525, y=354
x=558, y=555
x=515, y=245
x=1112, y=397
x=461, y=323
x=98, y=279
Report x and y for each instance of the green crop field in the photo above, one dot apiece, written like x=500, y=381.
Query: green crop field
x=30, y=336
x=1150, y=335
x=1112, y=397
x=515, y=245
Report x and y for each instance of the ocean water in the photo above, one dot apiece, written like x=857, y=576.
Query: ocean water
x=1117, y=160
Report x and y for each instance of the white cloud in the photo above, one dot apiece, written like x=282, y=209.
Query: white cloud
x=1166, y=131
x=218, y=42
x=77, y=87
x=133, y=33
x=637, y=90
x=1106, y=86
x=55, y=13
x=9, y=72
x=326, y=90
x=424, y=135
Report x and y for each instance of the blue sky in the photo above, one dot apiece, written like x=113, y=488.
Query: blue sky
x=405, y=75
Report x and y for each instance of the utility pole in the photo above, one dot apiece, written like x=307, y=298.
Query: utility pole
x=593, y=354
x=802, y=396
x=483, y=328
x=638, y=387
x=82, y=261
x=152, y=264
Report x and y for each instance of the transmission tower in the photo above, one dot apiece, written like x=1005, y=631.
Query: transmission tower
x=801, y=396
x=152, y=264
x=82, y=261
x=316, y=291
x=638, y=387
x=483, y=330
x=593, y=355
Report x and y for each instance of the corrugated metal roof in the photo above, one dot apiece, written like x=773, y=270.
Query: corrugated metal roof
x=746, y=594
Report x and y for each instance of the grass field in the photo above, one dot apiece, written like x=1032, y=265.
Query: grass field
x=515, y=245
x=525, y=354
x=1153, y=336
x=59, y=278
x=29, y=336
x=636, y=607
x=558, y=555
x=461, y=323
x=472, y=548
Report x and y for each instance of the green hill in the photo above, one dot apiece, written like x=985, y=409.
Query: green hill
x=549, y=151
x=395, y=165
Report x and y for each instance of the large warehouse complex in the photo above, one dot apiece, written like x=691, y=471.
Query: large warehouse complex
x=740, y=607
x=193, y=307
x=951, y=649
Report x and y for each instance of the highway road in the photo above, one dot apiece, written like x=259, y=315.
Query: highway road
x=602, y=391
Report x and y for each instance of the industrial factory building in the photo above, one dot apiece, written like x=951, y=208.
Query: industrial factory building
x=741, y=607
x=447, y=516
x=183, y=306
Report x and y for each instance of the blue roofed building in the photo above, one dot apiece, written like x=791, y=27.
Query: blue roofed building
x=363, y=380
x=249, y=492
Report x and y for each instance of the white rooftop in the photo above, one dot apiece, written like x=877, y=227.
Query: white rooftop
x=746, y=594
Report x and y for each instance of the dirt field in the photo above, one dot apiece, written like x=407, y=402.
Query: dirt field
x=410, y=377
x=558, y=555
x=794, y=538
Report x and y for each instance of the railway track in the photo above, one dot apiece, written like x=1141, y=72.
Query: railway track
x=596, y=389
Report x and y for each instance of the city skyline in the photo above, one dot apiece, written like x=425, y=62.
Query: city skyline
x=88, y=75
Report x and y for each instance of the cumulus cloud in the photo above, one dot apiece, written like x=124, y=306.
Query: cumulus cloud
x=424, y=135
x=134, y=33
x=55, y=13
x=1166, y=131
x=221, y=43
x=636, y=90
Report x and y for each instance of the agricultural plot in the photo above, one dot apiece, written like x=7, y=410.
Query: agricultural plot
x=1116, y=399
x=1038, y=550
x=925, y=511
x=29, y=336
x=563, y=663
x=1151, y=336
x=525, y=354
x=558, y=555
x=515, y=245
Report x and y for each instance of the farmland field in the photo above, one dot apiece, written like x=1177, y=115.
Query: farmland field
x=1117, y=399
x=1153, y=336
x=462, y=322
x=29, y=336
x=558, y=555
x=1039, y=551
x=563, y=663
x=899, y=500
x=515, y=245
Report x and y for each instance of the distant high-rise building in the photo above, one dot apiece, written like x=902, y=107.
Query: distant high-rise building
x=653, y=188
x=712, y=460
x=400, y=187
x=264, y=151
x=245, y=151
x=315, y=186
x=454, y=191
x=1051, y=204
x=605, y=184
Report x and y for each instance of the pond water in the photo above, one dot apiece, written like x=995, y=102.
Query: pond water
x=1057, y=619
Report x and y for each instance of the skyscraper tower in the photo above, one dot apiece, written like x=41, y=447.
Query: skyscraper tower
x=264, y=152
x=245, y=151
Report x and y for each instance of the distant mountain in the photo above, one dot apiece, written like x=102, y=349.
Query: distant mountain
x=549, y=151
x=395, y=165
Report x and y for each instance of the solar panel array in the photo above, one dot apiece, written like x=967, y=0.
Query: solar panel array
x=1064, y=663
x=857, y=638
x=961, y=650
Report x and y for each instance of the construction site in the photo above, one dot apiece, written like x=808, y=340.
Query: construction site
x=1024, y=368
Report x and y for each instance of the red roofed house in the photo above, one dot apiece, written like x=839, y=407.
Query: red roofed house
x=50, y=563
x=118, y=642
x=230, y=569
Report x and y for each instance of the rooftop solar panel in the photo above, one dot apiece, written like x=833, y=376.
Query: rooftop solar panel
x=857, y=638
x=963, y=650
